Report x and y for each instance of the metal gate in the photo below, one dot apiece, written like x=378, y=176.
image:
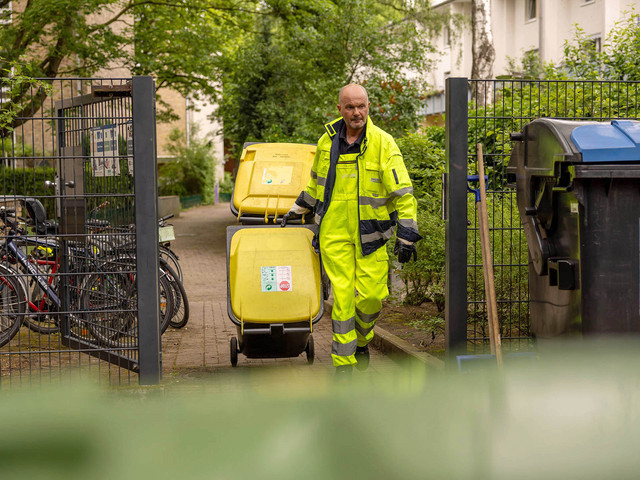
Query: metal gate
x=78, y=216
x=487, y=112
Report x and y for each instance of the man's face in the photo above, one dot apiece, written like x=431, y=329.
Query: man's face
x=354, y=107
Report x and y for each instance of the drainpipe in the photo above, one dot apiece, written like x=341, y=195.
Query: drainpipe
x=541, y=50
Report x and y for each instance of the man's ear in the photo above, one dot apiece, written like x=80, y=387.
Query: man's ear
x=339, y=110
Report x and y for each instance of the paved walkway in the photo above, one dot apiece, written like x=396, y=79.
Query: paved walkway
x=203, y=345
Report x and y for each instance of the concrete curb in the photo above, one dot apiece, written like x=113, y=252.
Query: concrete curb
x=396, y=348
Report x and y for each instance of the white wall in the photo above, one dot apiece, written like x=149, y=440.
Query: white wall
x=513, y=35
x=200, y=113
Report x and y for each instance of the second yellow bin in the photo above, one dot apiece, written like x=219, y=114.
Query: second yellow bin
x=269, y=178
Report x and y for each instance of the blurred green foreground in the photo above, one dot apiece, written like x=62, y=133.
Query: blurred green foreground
x=572, y=412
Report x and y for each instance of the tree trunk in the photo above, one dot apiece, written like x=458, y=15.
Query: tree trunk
x=484, y=53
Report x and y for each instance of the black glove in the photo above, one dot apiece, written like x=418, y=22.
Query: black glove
x=289, y=216
x=404, y=251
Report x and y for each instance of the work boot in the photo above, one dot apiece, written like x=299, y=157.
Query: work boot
x=362, y=357
x=343, y=372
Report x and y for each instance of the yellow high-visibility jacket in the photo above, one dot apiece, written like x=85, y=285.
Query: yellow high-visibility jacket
x=385, y=192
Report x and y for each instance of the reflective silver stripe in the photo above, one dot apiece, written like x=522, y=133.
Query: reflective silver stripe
x=364, y=331
x=376, y=180
x=402, y=191
x=308, y=198
x=322, y=181
x=372, y=237
x=408, y=223
x=317, y=219
x=343, y=326
x=367, y=317
x=344, y=349
x=375, y=202
x=314, y=174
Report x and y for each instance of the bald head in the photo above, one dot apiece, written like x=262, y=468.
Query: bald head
x=350, y=89
x=353, y=105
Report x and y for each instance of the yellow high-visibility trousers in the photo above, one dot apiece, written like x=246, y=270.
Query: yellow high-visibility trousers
x=359, y=282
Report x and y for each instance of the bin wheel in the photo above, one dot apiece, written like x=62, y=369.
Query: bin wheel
x=310, y=350
x=326, y=285
x=233, y=350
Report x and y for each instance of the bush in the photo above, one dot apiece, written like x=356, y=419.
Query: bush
x=424, y=157
x=192, y=171
x=226, y=186
x=423, y=279
x=28, y=182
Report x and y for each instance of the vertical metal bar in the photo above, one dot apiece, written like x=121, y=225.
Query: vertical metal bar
x=456, y=216
x=146, y=211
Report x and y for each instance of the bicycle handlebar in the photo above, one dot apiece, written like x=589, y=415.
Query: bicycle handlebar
x=161, y=220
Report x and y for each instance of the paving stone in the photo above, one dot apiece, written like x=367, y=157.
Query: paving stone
x=202, y=346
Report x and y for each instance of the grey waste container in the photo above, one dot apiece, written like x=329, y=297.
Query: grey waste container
x=578, y=195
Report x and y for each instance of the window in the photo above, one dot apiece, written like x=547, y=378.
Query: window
x=5, y=14
x=531, y=10
x=595, y=43
x=447, y=36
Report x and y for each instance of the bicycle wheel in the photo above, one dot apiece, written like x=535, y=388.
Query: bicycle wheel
x=167, y=305
x=180, y=315
x=165, y=292
x=171, y=258
x=12, y=305
x=108, y=303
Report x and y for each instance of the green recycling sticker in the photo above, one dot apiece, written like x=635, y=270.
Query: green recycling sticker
x=276, y=279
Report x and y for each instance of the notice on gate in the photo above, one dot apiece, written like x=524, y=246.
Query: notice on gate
x=278, y=175
x=130, y=147
x=276, y=279
x=104, y=151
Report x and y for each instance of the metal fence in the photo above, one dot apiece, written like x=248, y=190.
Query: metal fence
x=487, y=112
x=78, y=231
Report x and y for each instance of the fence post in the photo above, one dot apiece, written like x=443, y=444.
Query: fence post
x=146, y=208
x=457, y=92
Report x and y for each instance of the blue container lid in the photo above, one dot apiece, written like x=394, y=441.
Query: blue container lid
x=604, y=143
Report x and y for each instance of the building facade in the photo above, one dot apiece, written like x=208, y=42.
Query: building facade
x=521, y=26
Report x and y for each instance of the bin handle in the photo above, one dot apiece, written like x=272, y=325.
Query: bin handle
x=266, y=210
x=275, y=215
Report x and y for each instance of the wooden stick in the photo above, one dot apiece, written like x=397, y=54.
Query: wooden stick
x=489, y=285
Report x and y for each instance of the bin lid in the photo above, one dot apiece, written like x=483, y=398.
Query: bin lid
x=270, y=177
x=602, y=142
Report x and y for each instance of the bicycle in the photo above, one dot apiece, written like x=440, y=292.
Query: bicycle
x=104, y=302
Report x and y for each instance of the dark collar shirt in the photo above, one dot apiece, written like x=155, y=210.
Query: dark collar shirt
x=354, y=147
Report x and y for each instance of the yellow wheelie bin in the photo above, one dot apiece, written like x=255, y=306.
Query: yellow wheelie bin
x=275, y=282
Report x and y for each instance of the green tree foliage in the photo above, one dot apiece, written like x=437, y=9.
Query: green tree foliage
x=178, y=42
x=16, y=79
x=192, y=171
x=282, y=79
x=280, y=61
